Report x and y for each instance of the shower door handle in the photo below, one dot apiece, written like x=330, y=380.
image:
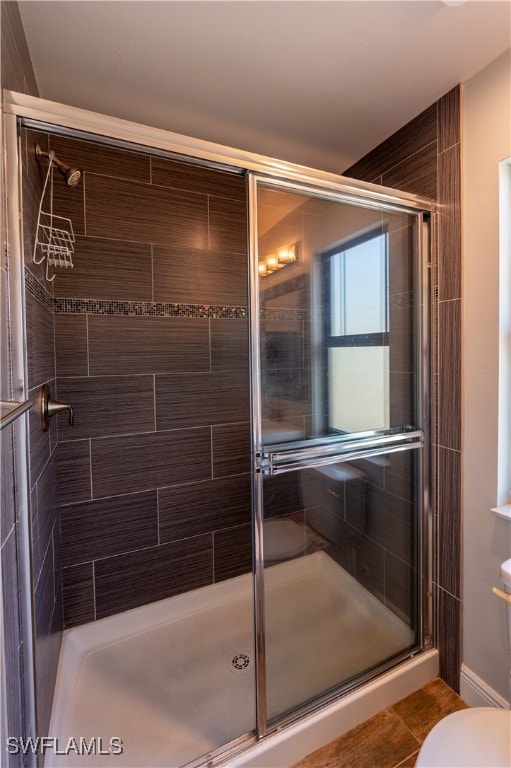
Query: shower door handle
x=48, y=407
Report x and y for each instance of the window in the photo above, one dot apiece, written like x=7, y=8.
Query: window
x=356, y=333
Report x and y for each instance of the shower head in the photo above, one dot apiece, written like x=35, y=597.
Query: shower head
x=73, y=175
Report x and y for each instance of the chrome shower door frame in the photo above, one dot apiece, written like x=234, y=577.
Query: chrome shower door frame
x=383, y=199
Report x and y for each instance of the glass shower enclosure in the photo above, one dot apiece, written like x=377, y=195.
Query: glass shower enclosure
x=340, y=435
x=340, y=451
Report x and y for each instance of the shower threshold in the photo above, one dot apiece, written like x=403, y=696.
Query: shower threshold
x=175, y=679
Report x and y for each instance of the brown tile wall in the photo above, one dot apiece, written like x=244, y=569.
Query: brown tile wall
x=43, y=464
x=424, y=157
x=18, y=75
x=154, y=474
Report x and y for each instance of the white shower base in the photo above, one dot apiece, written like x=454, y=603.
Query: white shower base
x=162, y=678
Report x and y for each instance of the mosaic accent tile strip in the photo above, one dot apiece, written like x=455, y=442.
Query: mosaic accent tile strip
x=63, y=306
x=145, y=309
x=399, y=300
x=284, y=314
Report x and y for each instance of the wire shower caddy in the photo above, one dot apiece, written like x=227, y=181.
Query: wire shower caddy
x=54, y=234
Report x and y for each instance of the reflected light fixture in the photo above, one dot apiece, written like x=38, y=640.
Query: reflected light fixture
x=284, y=256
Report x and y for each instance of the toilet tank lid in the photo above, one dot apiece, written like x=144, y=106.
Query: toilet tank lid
x=505, y=572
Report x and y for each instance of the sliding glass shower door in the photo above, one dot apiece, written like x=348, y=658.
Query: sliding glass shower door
x=339, y=435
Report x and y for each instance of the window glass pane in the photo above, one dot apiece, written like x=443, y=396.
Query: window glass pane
x=358, y=297
x=358, y=388
x=365, y=287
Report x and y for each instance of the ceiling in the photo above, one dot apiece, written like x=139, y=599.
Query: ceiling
x=315, y=83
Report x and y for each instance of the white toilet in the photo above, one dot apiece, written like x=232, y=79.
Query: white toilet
x=479, y=737
x=283, y=540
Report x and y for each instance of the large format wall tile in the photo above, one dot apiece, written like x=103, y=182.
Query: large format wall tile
x=107, y=269
x=199, y=276
x=191, y=510
x=400, y=258
x=448, y=615
x=106, y=406
x=228, y=225
x=130, y=580
x=399, y=473
x=106, y=527
x=127, y=345
x=401, y=347
x=449, y=224
x=31, y=199
x=229, y=344
x=449, y=521
x=78, y=594
x=231, y=448
x=449, y=119
x=408, y=140
x=449, y=374
x=141, y=462
x=198, y=399
x=47, y=505
x=127, y=210
x=352, y=549
x=416, y=174
x=94, y=157
x=386, y=519
x=233, y=552
x=74, y=471
x=399, y=587
x=401, y=398
x=40, y=343
x=187, y=176
x=71, y=350
x=12, y=637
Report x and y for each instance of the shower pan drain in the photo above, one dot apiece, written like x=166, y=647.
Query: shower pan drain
x=240, y=661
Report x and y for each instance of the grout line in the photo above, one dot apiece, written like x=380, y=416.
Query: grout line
x=443, y=589
x=407, y=158
x=211, y=446
x=209, y=342
x=154, y=400
x=158, y=514
x=94, y=587
x=452, y=146
x=209, y=238
x=90, y=468
x=152, y=273
x=87, y=339
x=84, y=209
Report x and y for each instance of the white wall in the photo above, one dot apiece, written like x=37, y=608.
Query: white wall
x=486, y=140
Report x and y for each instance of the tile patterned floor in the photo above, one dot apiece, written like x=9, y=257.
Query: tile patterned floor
x=392, y=738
